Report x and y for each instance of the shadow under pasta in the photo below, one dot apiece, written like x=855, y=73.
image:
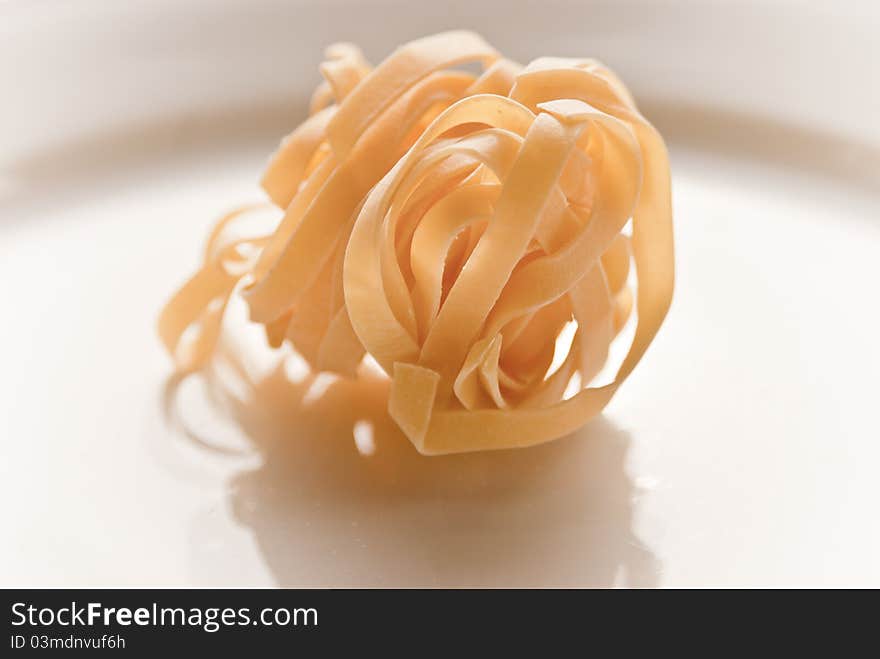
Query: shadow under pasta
x=325, y=511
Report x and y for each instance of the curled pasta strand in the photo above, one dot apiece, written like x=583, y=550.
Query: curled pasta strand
x=454, y=226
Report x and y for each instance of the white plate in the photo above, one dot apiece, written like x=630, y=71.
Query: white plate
x=743, y=451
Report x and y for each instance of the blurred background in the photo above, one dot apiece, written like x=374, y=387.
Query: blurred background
x=743, y=451
x=113, y=63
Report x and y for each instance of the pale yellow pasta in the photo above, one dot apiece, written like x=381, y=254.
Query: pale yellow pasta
x=451, y=225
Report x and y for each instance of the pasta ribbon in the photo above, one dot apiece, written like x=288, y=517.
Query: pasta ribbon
x=451, y=225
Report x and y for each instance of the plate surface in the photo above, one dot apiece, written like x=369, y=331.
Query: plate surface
x=743, y=451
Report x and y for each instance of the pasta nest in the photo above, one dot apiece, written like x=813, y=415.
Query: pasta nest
x=452, y=225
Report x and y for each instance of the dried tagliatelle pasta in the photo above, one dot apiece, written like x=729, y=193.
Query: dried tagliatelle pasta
x=451, y=225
